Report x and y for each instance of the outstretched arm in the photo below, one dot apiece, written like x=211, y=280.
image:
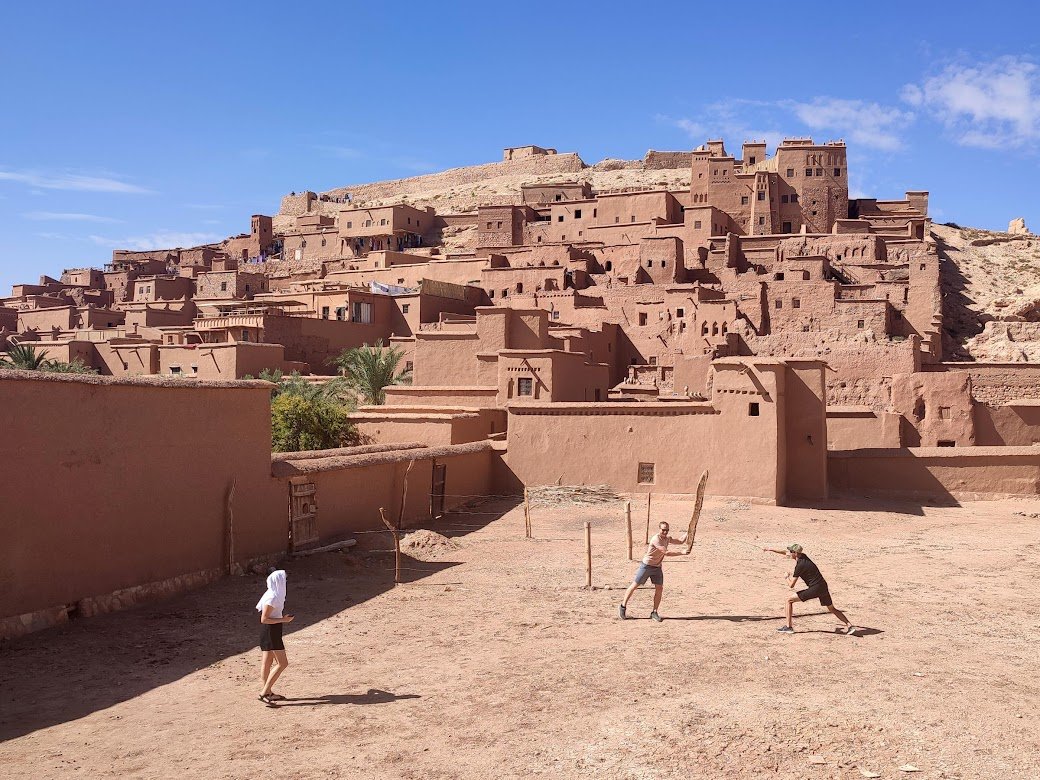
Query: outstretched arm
x=774, y=550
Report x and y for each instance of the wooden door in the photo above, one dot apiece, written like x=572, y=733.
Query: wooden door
x=303, y=515
x=437, y=493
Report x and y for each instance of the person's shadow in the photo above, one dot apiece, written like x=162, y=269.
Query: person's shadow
x=372, y=696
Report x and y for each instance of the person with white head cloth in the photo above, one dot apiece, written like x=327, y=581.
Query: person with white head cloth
x=274, y=660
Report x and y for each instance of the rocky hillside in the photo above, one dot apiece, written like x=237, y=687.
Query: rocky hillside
x=991, y=291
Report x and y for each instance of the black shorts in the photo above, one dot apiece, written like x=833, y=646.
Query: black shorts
x=271, y=636
x=819, y=591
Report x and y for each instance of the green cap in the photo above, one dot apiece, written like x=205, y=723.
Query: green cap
x=795, y=548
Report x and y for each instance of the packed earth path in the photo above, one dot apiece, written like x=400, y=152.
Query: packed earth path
x=492, y=660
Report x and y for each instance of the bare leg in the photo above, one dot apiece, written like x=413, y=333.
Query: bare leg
x=629, y=592
x=267, y=657
x=790, y=610
x=280, y=665
x=658, y=590
x=840, y=615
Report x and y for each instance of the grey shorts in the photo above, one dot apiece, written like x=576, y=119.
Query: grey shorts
x=653, y=573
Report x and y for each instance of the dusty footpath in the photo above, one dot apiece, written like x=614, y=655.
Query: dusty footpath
x=493, y=661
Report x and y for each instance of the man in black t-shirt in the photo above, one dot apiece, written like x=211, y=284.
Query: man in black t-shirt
x=815, y=587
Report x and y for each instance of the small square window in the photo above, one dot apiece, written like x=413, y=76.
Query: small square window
x=405, y=307
x=646, y=474
x=633, y=218
x=946, y=443
x=560, y=218
x=324, y=312
x=649, y=263
x=779, y=304
x=805, y=328
x=783, y=199
x=680, y=312
x=577, y=213
x=761, y=194
x=743, y=200
x=489, y=226
x=505, y=293
x=794, y=197
x=808, y=171
x=796, y=303
x=790, y=173
x=752, y=409
x=409, y=365
x=556, y=315
x=524, y=386
x=642, y=318
x=944, y=413
x=761, y=220
x=786, y=228
x=175, y=370
x=499, y=225
x=859, y=323
x=696, y=224
x=617, y=220
x=837, y=171
x=819, y=171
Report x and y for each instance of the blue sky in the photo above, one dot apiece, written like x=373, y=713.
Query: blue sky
x=140, y=125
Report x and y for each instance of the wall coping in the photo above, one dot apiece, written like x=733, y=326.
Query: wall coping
x=443, y=390
x=637, y=408
x=943, y=453
x=290, y=468
x=344, y=451
x=135, y=381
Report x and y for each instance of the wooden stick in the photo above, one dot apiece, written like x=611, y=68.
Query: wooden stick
x=649, y=498
x=397, y=546
x=588, y=554
x=231, y=526
x=404, y=495
x=527, y=514
x=628, y=523
x=698, y=504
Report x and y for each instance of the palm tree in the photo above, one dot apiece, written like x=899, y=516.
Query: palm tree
x=369, y=370
x=24, y=357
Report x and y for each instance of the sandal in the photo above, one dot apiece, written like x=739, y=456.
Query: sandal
x=275, y=696
x=266, y=699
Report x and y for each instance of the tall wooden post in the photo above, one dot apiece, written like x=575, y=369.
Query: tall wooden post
x=628, y=525
x=397, y=546
x=527, y=514
x=588, y=554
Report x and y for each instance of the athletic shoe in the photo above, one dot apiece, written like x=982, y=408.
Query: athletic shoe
x=851, y=631
x=785, y=630
x=655, y=617
x=621, y=612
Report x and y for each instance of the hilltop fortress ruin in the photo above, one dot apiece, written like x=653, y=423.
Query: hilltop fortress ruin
x=626, y=323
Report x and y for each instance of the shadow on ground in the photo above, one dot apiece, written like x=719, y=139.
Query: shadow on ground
x=91, y=664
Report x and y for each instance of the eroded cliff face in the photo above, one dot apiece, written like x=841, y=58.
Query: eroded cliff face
x=991, y=294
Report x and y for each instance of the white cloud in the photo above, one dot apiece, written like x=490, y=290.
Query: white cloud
x=724, y=120
x=62, y=216
x=992, y=104
x=858, y=121
x=71, y=181
x=161, y=239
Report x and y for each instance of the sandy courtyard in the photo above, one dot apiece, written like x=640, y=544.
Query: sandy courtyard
x=494, y=662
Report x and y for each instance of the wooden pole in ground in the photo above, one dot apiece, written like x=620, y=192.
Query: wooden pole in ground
x=527, y=514
x=649, y=498
x=628, y=524
x=397, y=546
x=588, y=555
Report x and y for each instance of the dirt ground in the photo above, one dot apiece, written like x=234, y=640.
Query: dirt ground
x=492, y=660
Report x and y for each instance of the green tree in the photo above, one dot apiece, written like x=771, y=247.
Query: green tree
x=369, y=370
x=24, y=357
x=308, y=423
